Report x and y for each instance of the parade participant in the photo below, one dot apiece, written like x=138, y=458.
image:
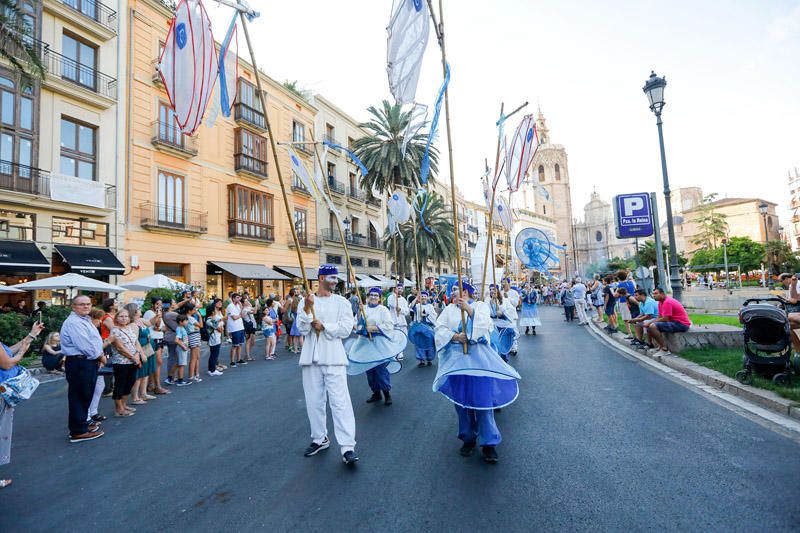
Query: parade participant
x=325, y=319
x=478, y=381
x=421, y=331
x=511, y=293
x=529, y=316
x=512, y=296
x=398, y=308
x=376, y=347
x=504, y=316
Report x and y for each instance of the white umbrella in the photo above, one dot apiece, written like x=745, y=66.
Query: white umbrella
x=367, y=282
x=156, y=281
x=69, y=281
x=5, y=289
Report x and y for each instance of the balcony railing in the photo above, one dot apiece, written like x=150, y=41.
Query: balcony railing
x=246, y=163
x=332, y=234
x=79, y=74
x=472, y=228
x=248, y=115
x=96, y=11
x=244, y=229
x=24, y=179
x=306, y=240
x=373, y=201
x=330, y=139
x=307, y=149
x=170, y=136
x=356, y=194
x=297, y=186
x=153, y=215
x=335, y=186
x=30, y=180
x=10, y=37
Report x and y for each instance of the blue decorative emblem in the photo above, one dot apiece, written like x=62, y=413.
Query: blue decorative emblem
x=417, y=4
x=395, y=197
x=180, y=35
x=499, y=208
x=295, y=161
x=530, y=134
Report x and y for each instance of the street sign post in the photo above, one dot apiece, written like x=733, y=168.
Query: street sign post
x=633, y=215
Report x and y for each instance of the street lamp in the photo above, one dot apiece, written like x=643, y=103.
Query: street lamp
x=566, y=261
x=763, y=208
x=725, y=259
x=654, y=89
x=346, y=223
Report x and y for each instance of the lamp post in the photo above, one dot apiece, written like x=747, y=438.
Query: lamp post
x=346, y=223
x=566, y=262
x=763, y=208
x=654, y=89
x=725, y=260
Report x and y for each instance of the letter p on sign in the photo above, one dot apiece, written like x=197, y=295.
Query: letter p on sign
x=631, y=205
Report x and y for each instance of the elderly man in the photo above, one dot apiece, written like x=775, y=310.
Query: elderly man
x=82, y=346
x=325, y=320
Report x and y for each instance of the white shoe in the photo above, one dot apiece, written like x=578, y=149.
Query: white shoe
x=197, y=379
x=215, y=373
x=400, y=357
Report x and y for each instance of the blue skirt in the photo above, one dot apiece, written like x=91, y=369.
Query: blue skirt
x=364, y=354
x=294, y=332
x=422, y=336
x=479, y=379
x=503, y=339
x=529, y=316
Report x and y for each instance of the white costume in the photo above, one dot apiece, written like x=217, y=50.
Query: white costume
x=424, y=313
x=513, y=296
x=398, y=307
x=324, y=365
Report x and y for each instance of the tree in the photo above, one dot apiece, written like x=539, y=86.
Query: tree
x=618, y=263
x=381, y=152
x=294, y=87
x=782, y=257
x=17, y=44
x=746, y=252
x=712, y=225
x=434, y=230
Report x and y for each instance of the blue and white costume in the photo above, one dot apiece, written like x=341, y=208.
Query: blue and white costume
x=529, y=316
x=421, y=332
x=476, y=382
x=398, y=309
x=504, y=316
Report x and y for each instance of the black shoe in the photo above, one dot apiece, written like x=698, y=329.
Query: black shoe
x=467, y=448
x=99, y=418
x=512, y=354
x=232, y=365
x=421, y=364
x=430, y=363
x=376, y=397
x=349, y=458
x=314, y=448
x=489, y=454
x=534, y=331
x=387, y=398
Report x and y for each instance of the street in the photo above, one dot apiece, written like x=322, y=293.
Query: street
x=594, y=442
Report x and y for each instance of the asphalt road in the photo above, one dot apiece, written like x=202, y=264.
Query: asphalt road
x=594, y=442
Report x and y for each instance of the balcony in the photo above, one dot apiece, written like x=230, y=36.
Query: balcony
x=244, y=115
x=250, y=165
x=71, y=78
x=473, y=229
x=373, y=202
x=307, y=149
x=157, y=81
x=335, y=186
x=356, y=194
x=95, y=17
x=251, y=231
x=153, y=216
x=307, y=241
x=24, y=179
x=169, y=138
x=298, y=187
x=332, y=234
x=48, y=187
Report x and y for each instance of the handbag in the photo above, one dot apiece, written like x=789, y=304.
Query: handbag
x=148, y=350
x=20, y=387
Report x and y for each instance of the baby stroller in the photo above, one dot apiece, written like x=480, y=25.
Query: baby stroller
x=767, y=341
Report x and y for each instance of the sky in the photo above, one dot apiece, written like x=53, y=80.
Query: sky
x=732, y=114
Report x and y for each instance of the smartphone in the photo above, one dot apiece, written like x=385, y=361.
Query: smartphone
x=40, y=318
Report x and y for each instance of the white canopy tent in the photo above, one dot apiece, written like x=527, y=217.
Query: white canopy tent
x=156, y=281
x=5, y=289
x=69, y=281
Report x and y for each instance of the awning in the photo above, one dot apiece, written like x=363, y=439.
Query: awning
x=249, y=270
x=294, y=272
x=22, y=257
x=385, y=282
x=90, y=259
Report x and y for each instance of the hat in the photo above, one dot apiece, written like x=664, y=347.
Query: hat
x=375, y=290
x=399, y=284
x=424, y=293
x=328, y=270
x=467, y=287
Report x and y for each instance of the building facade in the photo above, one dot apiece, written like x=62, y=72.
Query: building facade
x=794, y=206
x=364, y=216
x=60, y=147
x=207, y=209
x=596, y=241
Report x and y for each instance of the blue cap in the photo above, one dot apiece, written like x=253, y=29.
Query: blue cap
x=424, y=293
x=328, y=270
x=467, y=287
x=375, y=290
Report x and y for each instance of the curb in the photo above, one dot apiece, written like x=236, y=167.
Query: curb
x=712, y=378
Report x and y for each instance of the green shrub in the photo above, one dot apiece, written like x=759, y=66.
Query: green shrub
x=52, y=317
x=12, y=328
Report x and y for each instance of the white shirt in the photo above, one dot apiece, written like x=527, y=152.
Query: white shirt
x=215, y=338
x=449, y=323
x=155, y=333
x=234, y=325
x=428, y=310
x=379, y=316
x=396, y=305
x=579, y=291
x=336, y=315
x=504, y=310
x=513, y=296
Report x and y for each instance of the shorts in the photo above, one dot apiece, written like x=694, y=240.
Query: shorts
x=194, y=339
x=609, y=310
x=237, y=337
x=249, y=328
x=183, y=357
x=624, y=311
x=671, y=327
x=268, y=332
x=157, y=344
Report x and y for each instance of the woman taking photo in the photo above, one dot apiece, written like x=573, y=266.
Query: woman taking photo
x=154, y=318
x=215, y=325
x=9, y=357
x=269, y=324
x=125, y=358
x=139, y=393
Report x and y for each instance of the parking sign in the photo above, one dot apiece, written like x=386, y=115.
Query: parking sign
x=633, y=215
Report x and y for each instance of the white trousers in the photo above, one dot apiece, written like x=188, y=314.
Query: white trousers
x=580, y=307
x=323, y=384
x=99, y=385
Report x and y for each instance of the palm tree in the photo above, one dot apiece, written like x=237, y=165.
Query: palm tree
x=434, y=236
x=17, y=44
x=382, y=154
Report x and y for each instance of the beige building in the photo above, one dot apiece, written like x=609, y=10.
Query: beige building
x=364, y=217
x=596, y=240
x=61, y=152
x=794, y=206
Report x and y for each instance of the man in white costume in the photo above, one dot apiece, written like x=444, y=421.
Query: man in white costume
x=325, y=319
x=398, y=308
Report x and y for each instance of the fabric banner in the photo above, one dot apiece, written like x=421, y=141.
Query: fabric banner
x=409, y=28
x=77, y=191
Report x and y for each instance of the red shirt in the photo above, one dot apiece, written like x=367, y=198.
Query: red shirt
x=673, y=311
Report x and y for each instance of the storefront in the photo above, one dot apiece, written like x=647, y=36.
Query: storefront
x=20, y=261
x=296, y=276
x=223, y=277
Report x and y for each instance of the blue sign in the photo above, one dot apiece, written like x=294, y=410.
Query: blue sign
x=633, y=215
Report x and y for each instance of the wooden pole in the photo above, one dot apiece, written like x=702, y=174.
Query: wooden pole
x=440, y=36
x=263, y=100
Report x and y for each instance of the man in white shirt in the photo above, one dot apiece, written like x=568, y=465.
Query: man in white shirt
x=325, y=319
x=579, y=293
x=235, y=326
x=398, y=308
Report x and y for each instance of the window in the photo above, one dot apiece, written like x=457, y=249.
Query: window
x=301, y=225
x=558, y=172
x=78, y=149
x=355, y=225
x=373, y=236
x=16, y=127
x=350, y=142
x=357, y=261
x=176, y=271
x=248, y=104
x=171, y=198
x=250, y=151
x=598, y=236
x=374, y=263
x=332, y=222
x=544, y=209
x=541, y=172
x=353, y=183
x=330, y=133
x=168, y=129
x=79, y=232
x=333, y=259
x=80, y=63
x=250, y=213
x=298, y=132
x=332, y=170
x=17, y=226
x=87, y=7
